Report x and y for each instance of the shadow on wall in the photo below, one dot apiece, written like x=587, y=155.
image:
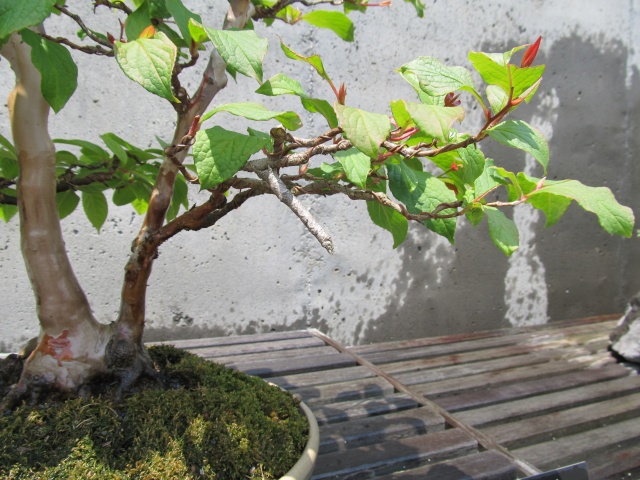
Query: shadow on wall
x=461, y=288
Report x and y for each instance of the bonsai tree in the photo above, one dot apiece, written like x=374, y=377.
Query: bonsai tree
x=411, y=163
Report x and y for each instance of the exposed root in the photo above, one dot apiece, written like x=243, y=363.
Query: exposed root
x=129, y=362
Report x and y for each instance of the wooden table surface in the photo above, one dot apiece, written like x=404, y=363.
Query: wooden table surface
x=493, y=405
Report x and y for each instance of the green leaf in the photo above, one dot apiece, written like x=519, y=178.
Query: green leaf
x=9, y=147
x=9, y=168
x=123, y=196
x=137, y=21
x=242, y=50
x=66, y=203
x=436, y=79
x=400, y=114
x=182, y=15
x=149, y=62
x=365, y=130
x=386, y=217
x=281, y=85
x=158, y=9
x=422, y=192
x=324, y=108
x=553, y=206
x=495, y=71
x=18, y=14
x=255, y=111
x=219, y=154
x=497, y=97
x=95, y=207
x=614, y=218
x=7, y=212
x=435, y=121
x=418, y=5
x=502, y=230
x=58, y=71
x=314, y=60
x=86, y=147
x=338, y=22
x=356, y=166
x=521, y=135
x=112, y=143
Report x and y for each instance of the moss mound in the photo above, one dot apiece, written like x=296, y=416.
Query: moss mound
x=213, y=423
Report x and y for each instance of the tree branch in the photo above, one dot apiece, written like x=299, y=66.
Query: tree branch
x=281, y=191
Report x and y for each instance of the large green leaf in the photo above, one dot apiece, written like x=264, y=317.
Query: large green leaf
x=242, y=50
x=366, y=130
x=58, y=71
x=521, y=135
x=386, y=217
x=422, y=192
x=95, y=206
x=433, y=120
x=356, y=166
x=18, y=14
x=255, y=111
x=149, y=62
x=614, y=218
x=219, y=154
x=66, y=203
x=182, y=15
x=436, y=79
x=280, y=84
x=502, y=231
x=338, y=22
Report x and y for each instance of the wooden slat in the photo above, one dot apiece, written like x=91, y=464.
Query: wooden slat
x=216, y=351
x=379, y=429
x=487, y=465
x=550, y=402
x=385, y=457
x=344, y=411
x=540, y=385
x=289, y=366
x=235, y=339
x=616, y=463
x=574, y=448
x=322, y=377
x=564, y=422
x=210, y=354
x=344, y=391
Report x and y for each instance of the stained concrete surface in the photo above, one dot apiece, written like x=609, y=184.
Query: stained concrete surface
x=259, y=270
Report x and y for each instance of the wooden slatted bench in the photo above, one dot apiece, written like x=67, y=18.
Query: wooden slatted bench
x=492, y=405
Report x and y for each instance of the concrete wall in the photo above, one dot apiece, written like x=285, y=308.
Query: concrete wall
x=258, y=270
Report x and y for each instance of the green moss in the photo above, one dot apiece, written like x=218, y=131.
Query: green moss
x=214, y=423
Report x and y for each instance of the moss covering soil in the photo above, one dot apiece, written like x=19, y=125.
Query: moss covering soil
x=212, y=423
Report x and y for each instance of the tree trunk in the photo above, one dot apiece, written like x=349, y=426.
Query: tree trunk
x=71, y=343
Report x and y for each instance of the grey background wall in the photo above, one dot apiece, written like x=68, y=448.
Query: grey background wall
x=259, y=270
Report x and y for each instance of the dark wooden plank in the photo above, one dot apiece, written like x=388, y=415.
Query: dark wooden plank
x=344, y=391
x=616, y=463
x=322, y=377
x=565, y=422
x=541, y=339
x=258, y=347
x=487, y=465
x=235, y=339
x=592, y=324
x=210, y=354
x=497, y=393
x=535, y=405
x=386, y=457
x=579, y=447
x=379, y=429
x=508, y=351
x=344, y=411
x=289, y=366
